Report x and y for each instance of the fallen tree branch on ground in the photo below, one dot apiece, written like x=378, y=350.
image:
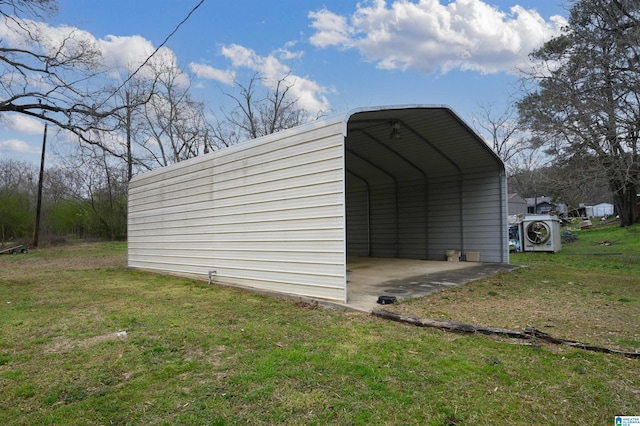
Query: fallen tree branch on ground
x=452, y=326
x=529, y=333
x=539, y=334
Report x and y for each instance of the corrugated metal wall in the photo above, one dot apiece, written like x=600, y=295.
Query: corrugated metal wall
x=444, y=230
x=479, y=214
x=484, y=209
x=471, y=222
x=381, y=223
x=268, y=215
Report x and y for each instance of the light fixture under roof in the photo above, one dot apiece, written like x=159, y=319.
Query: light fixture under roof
x=395, y=130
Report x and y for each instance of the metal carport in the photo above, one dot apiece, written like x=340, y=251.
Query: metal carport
x=419, y=182
x=282, y=213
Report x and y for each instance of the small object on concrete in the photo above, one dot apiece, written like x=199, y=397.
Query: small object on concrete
x=473, y=256
x=386, y=300
x=452, y=255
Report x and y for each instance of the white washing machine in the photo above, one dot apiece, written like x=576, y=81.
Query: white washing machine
x=541, y=233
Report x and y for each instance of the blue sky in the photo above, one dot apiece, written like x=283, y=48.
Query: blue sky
x=341, y=54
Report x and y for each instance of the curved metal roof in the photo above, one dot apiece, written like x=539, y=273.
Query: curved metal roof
x=413, y=142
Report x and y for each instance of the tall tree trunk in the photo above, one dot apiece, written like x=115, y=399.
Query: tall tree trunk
x=626, y=201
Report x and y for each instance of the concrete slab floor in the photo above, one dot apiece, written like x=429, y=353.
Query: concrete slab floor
x=369, y=278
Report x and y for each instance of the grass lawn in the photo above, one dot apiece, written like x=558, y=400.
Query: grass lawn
x=83, y=340
x=589, y=291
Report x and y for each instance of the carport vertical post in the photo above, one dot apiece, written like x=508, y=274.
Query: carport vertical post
x=368, y=210
x=426, y=217
x=395, y=182
x=503, y=214
x=397, y=201
x=461, y=205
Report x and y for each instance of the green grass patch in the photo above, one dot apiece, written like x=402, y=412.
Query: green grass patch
x=199, y=354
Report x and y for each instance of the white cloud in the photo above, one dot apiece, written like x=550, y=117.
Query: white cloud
x=116, y=53
x=211, y=73
x=125, y=52
x=310, y=95
x=241, y=56
x=332, y=29
x=427, y=36
x=287, y=55
x=17, y=145
x=22, y=123
x=27, y=33
x=129, y=52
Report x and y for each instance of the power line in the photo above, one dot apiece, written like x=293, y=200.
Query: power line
x=175, y=30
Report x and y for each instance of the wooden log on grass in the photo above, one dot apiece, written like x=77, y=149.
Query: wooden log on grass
x=452, y=326
x=530, y=333
x=539, y=334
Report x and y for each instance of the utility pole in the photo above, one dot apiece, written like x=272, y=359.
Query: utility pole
x=36, y=231
x=128, y=125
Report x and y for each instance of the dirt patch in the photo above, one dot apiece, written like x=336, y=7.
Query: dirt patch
x=81, y=262
x=73, y=256
x=63, y=345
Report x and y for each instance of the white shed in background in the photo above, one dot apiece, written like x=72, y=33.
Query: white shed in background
x=600, y=210
x=282, y=212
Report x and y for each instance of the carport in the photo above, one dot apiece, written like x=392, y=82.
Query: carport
x=419, y=182
x=285, y=212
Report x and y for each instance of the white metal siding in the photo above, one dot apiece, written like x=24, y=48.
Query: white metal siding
x=376, y=228
x=412, y=220
x=484, y=210
x=384, y=224
x=358, y=221
x=268, y=215
x=444, y=216
x=481, y=221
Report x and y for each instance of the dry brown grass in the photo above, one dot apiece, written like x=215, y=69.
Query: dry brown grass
x=72, y=256
x=567, y=302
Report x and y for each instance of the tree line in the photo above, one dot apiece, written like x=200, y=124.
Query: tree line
x=578, y=109
x=76, y=203
x=573, y=130
x=123, y=122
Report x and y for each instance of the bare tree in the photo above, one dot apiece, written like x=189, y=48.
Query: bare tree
x=586, y=98
x=171, y=126
x=502, y=131
x=17, y=199
x=522, y=171
x=580, y=180
x=61, y=82
x=97, y=183
x=258, y=113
